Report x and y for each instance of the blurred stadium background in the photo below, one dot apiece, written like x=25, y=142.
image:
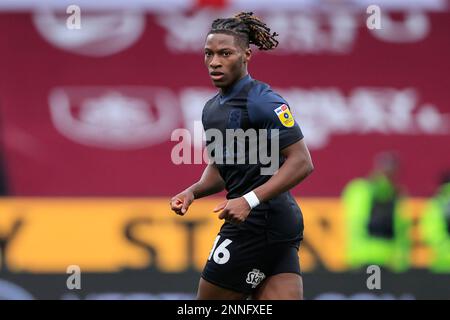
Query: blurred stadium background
x=86, y=117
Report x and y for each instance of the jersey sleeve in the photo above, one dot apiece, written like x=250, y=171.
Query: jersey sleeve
x=268, y=110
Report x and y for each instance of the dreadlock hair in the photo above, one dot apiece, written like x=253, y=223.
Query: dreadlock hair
x=248, y=29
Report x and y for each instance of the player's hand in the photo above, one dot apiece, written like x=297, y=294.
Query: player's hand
x=181, y=202
x=234, y=210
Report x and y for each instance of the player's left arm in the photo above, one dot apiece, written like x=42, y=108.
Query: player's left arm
x=297, y=166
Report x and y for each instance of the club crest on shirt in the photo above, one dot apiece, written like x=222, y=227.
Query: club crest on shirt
x=285, y=116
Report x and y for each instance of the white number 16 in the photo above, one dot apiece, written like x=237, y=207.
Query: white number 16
x=221, y=254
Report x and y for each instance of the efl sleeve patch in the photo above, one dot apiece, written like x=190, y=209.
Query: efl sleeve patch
x=285, y=116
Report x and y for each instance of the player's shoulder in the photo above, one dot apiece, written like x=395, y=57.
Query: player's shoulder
x=209, y=102
x=262, y=97
x=212, y=99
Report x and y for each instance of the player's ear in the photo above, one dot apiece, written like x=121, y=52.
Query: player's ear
x=247, y=55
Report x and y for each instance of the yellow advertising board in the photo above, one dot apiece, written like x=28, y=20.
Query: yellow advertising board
x=39, y=235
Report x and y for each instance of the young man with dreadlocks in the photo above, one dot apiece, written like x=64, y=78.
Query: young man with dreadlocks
x=256, y=251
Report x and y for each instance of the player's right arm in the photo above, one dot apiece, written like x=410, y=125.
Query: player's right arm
x=210, y=182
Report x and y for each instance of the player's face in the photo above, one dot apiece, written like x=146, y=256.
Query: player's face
x=226, y=61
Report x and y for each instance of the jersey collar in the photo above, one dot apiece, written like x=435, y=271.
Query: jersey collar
x=235, y=89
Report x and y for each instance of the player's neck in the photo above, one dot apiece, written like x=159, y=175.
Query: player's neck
x=226, y=90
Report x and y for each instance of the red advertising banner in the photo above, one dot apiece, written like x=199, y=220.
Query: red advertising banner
x=90, y=111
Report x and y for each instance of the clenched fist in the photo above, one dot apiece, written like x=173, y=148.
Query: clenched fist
x=234, y=210
x=181, y=202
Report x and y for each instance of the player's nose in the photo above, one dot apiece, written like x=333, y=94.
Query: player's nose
x=215, y=62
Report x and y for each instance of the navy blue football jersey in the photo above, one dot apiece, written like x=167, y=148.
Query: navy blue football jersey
x=251, y=104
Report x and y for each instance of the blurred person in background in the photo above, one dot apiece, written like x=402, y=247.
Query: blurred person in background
x=377, y=228
x=256, y=251
x=435, y=226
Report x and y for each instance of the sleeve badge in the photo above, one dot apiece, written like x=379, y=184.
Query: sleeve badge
x=285, y=116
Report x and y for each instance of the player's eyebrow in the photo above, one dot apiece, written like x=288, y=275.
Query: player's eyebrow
x=220, y=49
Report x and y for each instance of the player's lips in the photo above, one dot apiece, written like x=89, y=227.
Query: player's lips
x=216, y=75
